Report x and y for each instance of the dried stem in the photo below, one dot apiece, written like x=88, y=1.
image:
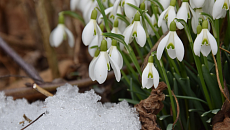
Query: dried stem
x=33, y=121
x=218, y=78
x=178, y=110
x=41, y=90
x=30, y=70
x=45, y=28
x=225, y=50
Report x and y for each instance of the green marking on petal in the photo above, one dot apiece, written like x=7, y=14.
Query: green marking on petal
x=166, y=16
x=189, y=16
x=205, y=42
x=150, y=75
x=170, y=45
x=155, y=25
x=95, y=33
x=135, y=34
x=108, y=66
x=123, y=3
x=225, y=6
x=112, y=16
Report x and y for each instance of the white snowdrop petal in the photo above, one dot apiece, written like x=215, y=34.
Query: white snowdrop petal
x=91, y=68
x=197, y=3
x=179, y=47
x=197, y=43
x=182, y=14
x=130, y=11
x=144, y=78
x=93, y=43
x=161, y=46
x=165, y=3
x=70, y=37
x=155, y=77
x=161, y=17
x=164, y=27
x=58, y=35
x=213, y=43
x=117, y=57
x=88, y=33
x=127, y=34
x=74, y=4
x=217, y=9
x=171, y=15
x=99, y=34
x=115, y=7
x=51, y=38
x=149, y=83
x=116, y=69
x=141, y=35
x=171, y=53
x=205, y=50
x=101, y=68
x=107, y=11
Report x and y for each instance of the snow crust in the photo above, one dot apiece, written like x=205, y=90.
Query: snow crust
x=68, y=110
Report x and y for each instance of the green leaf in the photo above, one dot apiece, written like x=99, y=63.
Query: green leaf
x=104, y=16
x=73, y=14
x=188, y=97
x=92, y=47
x=129, y=101
x=169, y=127
x=123, y=18
x=118, y=37
x=164, y=116
x=158, y=4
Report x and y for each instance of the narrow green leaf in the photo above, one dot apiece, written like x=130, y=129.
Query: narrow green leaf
x=104, y=16
x=75, y=15
x=123, y=18
x=158, y=4
x=188, y=97
x=93, y=47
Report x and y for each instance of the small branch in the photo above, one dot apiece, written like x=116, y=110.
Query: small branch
x=30, y=70
x=225, y=50
x=41, y=90
x=178, y=110
x=218, y=79
x=33, y=121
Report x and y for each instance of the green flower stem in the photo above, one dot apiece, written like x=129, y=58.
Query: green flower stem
x=134, y=59
x=138, y=50
x=125, y=77
x=129, y=66
x=104, y=16
x=205, y=61
x=160, y=64
x=172, y=63
x=198, y=64
x=218, y=57
x=183, y=69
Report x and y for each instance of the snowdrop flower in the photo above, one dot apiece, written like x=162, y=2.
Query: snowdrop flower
x=60, y=33
x=168, y=14
x=165, y=3
x=184, y=13
x=74, y=4
x=172, y=43
x=115, y=55
x=150, y=75
x=92, y=64
x=208, y=6
x=116, y=31
x=135, y=30
x=196, y=3
x=219, y=8
x=205, y=42
x=91, y=30
x=130, y=11
x=101, y=66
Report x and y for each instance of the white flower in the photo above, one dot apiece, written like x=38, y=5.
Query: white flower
x=88, y=8
x=184, y=13
x=168, y=14
x=135, y=30
x=208, y=6
x=150, y=75
x=205, y=42
x=92, y=64
x=91, y=30
x=164, y=3
x=115, y=54
x=130, y=11
x=219, y=8
x=101, y=66
x=59, y=34
x=172, y=43
x=196, y=3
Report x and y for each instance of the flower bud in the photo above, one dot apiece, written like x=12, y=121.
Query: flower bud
x=142, y=6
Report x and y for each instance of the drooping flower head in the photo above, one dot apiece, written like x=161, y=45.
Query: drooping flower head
x=115, y=55
x=150, y=75
x=168, y=14
x=60, y=33
x=101, y=66
x=219, y=8
x=136, y=31
x=172, y=43
x=205, y=42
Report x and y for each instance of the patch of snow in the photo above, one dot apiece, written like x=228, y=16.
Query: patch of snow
x=68, y=110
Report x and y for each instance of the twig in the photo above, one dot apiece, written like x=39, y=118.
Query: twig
x=33, y=121
x=225, y=50
x=18, y=76
x=218, y=78
x=178, y=110
x=41, y=90
x=45, y=28
x=30, y=70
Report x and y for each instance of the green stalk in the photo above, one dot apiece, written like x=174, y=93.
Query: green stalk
x=125, y=76
x=160, y=64
x=104, y=16
x=154, y=30
x=138, y=50
x=198, y=65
